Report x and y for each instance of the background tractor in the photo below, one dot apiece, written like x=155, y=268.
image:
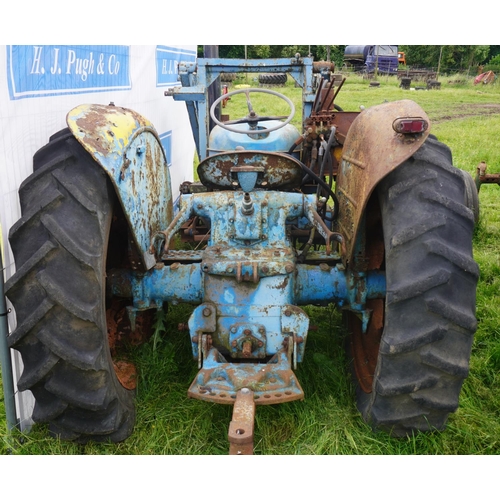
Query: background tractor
x=363, y=210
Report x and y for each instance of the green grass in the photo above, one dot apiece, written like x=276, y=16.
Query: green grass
x=327, y=421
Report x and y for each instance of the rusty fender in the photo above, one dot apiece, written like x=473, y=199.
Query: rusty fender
x=371, y=151
x=127, y=147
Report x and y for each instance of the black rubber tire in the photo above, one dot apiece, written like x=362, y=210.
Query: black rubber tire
x=228, y=77
x=273, y=79
x=429, y=319
x=58, y=292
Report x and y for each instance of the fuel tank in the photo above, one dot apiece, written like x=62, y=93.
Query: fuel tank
x=279, y=141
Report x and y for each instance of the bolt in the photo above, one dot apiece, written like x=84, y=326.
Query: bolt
x=175, y=266
x=245, y=390
x=247, y=205
x=207, y=312
x=265, y=269
x=247, y=349
x=247, y=332
x=276, y=253
x=260, y=343
x=262, y=329
x=233, y=329
x=199, y=207
x=289, y=268
x=288, y=312
x=324, y=266
x=234, y=343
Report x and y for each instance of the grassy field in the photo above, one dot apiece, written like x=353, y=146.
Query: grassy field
x=467, y=119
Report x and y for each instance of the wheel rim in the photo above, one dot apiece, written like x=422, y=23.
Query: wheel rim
x=365, y=346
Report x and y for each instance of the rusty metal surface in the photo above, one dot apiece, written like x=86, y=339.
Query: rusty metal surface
x=483, y=178
x=241, y=428
x=265, y=227
x=128, y=148
x=319, y=125
x=182, y=256
x=276, y=170
x=271, y=383
x=365, y=345
x=320, y=66
x=372, y=150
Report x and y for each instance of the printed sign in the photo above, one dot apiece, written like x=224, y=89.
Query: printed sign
x=46, y=70
x=167, y=61
x=166, y=142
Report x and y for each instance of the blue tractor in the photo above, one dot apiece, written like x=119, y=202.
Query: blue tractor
x=363, y=210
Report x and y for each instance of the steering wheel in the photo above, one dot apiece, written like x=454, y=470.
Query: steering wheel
x=252, y=118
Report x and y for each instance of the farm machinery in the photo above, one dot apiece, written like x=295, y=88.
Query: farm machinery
x=359, y=209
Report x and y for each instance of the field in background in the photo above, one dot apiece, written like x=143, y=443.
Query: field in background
x=467, y=119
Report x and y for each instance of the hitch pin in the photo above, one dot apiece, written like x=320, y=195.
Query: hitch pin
x=241, y=427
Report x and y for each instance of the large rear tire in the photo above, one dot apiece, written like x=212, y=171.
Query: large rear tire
x=58, y=292
x=411, y=363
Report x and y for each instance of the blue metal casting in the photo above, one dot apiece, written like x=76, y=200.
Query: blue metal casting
x=248, y=286
x=223, y=140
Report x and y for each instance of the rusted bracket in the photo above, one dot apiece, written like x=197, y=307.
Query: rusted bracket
x=483, y=178
x=241, y=427
x=322, y=228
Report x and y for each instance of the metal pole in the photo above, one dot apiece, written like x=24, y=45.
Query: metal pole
x=5, y=360
x=212, y=51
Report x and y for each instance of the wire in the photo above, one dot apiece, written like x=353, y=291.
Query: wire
x=325, y=186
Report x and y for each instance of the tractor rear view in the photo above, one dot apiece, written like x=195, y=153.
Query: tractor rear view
x=361, y=210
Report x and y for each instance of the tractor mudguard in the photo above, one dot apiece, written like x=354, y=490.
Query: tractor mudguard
x=127, y=147
x=371, y=151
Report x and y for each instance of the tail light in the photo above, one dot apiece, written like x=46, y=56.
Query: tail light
x=415, y=125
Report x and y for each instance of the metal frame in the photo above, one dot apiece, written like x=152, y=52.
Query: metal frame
x=196, y=77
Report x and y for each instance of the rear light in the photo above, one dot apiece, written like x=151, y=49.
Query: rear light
x=410, y=125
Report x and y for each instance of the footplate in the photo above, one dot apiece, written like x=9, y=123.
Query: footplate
x=271, y=383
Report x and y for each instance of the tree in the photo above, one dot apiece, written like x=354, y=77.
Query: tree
x=449, y=57
x=318, y=52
